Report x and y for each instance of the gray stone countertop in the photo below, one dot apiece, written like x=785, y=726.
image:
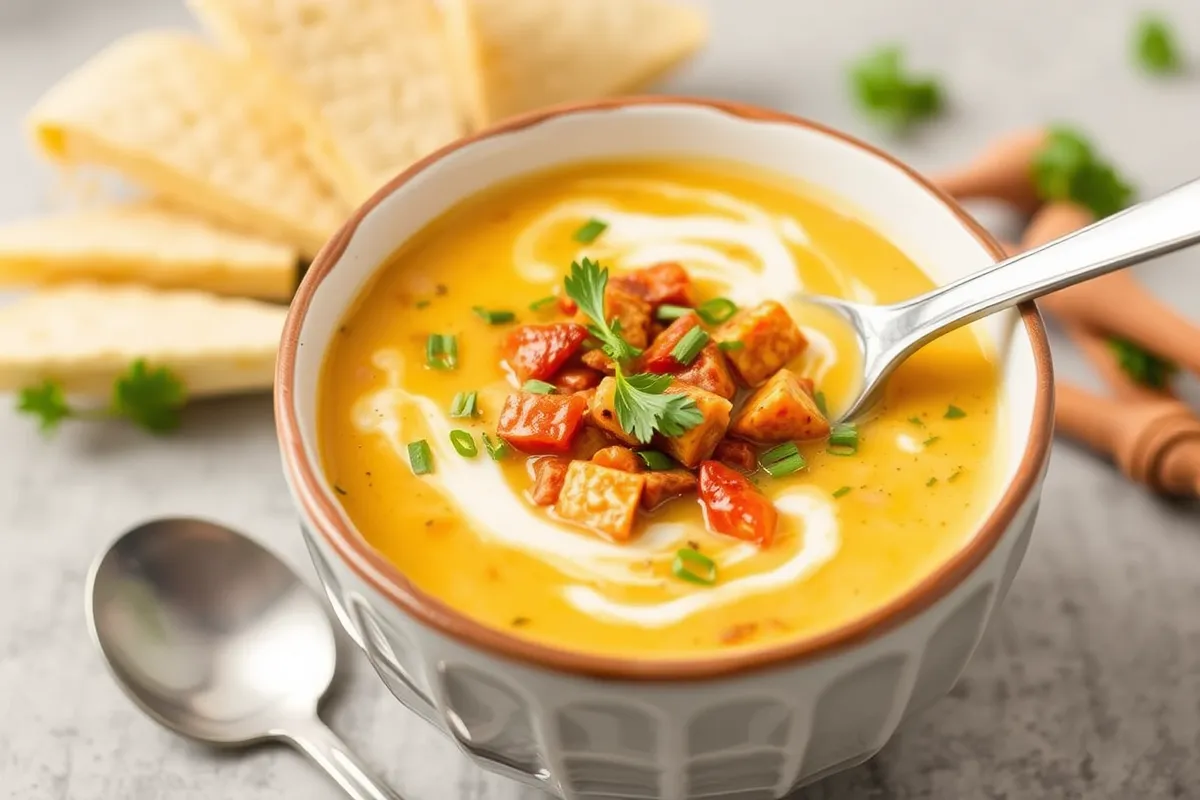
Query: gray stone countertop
x=1088, y=684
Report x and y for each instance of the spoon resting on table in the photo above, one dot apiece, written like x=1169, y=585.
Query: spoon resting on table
x=889, y=334
x=218, y=640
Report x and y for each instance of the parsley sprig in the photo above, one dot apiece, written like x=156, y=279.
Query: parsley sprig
x=644, y=408
x=585, y=285
x=149, y=398
x=1141, y=365
x=886, y=90
x=1154, y=46
x=1067, y=167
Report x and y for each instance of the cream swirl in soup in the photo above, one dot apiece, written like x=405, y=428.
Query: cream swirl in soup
x=853, y=529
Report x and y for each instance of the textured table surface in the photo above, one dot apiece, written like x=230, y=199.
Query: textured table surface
x=1088, y=685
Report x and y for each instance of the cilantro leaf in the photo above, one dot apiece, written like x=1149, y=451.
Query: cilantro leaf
x=585, y=285
x=148, y=397
x=1068, y=168
x=644, y=409
x=1154, y=46
x=1141, y=365
x=888, y=93
x=47, y=402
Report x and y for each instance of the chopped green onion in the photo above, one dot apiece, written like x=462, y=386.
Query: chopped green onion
x=534, y=386
x=731, y=345
x=497, y=449
x=656, y=461
x=686, y=558
x=590, y=230
x=843, y=440
x=493, y=317
x=920, y=423
x=717, y=310
x=931, y=440
x=422, y=304
x=667, y=312
x=842, y=492
x=465, y=404
x=441, y=351
x=782, y=460
x=954, y=475
x=819, y=399
x=931, y=482
x=420, y=458
x=542, y=302
x=687, y=348
x=464, y=443
x=954, y=412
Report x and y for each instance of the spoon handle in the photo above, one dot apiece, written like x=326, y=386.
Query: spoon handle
x=1156, y=227
x=314, y=738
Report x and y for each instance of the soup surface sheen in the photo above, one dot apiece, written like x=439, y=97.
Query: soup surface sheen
x=854, y=531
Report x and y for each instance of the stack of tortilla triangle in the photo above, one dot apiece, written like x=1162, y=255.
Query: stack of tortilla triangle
x=251, y=146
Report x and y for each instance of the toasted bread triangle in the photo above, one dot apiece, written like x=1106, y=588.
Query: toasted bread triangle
x=84, y=336
x=368, y=80
x=189, y=123
x=144, y=243
x=513, y=56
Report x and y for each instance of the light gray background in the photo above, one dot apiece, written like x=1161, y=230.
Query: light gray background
x=1088, y=685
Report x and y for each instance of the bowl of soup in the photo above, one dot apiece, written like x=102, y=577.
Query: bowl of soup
x=563, y=436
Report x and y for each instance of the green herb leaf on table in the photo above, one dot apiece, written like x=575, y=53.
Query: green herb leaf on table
x=47, y=402
x=585, y=285
x=1154, y=46
x=885, y=90
x=151, y=398
x=1141, y=365
x=644, y=409
x=1067, y=167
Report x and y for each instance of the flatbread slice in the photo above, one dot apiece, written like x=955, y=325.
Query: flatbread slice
x=367, y=79
x=513, y=56
x=195, y=126
x=148, y=244
x=84, y=336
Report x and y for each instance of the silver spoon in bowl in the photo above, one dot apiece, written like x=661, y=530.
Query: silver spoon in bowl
x=218, y=640
x=888, y=334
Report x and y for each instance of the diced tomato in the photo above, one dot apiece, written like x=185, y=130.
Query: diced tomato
x=537, y=351
x=657, y=357
x=667, y=282
x=541, y=423
x=734, y=506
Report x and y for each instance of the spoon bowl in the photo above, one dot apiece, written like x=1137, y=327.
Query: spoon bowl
x=888, y=334
x=217, y=639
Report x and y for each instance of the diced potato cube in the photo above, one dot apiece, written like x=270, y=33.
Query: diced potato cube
x=769, y=338
x=602, y=499
x=602, y=411
x=573, y=380
x=549, y=474
x=618, y=457
x=694, y=445
x=599, y=360
x=666, y=485
x=736, y=454
x=781, y=411
x=710, y=372
x=633, y=314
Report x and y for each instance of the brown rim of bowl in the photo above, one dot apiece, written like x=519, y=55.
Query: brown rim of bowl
x=351, y=547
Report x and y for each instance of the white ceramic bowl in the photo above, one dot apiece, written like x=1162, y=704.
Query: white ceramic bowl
x=751, y=727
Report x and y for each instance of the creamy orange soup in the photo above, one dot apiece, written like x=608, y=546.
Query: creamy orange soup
x=854, y=531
